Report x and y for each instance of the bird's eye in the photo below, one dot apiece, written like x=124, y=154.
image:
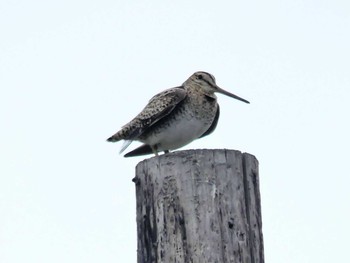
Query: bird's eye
x=200, y=76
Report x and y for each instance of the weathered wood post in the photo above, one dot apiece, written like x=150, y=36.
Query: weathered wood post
x=199, y=206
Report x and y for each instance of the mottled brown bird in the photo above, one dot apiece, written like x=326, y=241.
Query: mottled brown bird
x=175, y=117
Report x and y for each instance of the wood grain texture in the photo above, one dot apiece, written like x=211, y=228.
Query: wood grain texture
x=199, y=206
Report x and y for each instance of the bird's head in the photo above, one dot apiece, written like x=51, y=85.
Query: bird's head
x=206, y=83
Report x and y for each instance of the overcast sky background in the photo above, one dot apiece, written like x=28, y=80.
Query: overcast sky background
x=73, y=72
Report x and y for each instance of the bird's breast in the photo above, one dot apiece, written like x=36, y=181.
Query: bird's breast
x=187, y=122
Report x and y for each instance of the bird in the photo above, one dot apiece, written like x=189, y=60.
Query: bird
x=175, y=117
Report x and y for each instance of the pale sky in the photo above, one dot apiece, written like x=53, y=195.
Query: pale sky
x=73, y=72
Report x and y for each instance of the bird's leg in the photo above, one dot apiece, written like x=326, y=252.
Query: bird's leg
x=154, y=149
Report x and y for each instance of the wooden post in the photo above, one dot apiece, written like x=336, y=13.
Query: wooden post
x=199, y=206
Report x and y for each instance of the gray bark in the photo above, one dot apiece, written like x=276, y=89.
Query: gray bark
x=199, y=206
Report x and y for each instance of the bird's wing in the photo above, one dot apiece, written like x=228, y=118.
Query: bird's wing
x=142, y=150
x=157, y=108
x=213, y=124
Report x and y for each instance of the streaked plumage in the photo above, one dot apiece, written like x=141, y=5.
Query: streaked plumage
x=175, y=117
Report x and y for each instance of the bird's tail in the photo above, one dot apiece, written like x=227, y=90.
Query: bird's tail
x=124, y=134
x=129, y=131
x=114, y=138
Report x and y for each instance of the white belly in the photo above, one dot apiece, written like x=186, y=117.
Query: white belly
x=178, y=134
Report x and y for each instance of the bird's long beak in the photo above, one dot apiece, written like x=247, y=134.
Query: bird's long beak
x=222, y=91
